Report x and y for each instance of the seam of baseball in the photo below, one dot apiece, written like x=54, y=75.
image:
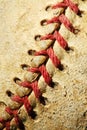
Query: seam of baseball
x=35, y=80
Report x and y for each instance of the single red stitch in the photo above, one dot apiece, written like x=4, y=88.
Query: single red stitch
x=34, y=86
x=47, y=36
x=53, y=20
x=64, y=20
x=73, y=6
x=26, y=84
x=11, y=111
x=56, y=36
x=46, y=75
x=60, y=5
x=36, y=90
x=53, y=57
x=51, y=54
x=67, y=3
x=23, y=100
x=27, y=105
x=17, y=98
x=43, y=71
x=63, y=43
x=42, y=52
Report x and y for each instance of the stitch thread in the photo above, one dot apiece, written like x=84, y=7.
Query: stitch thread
x=67, y=3
x=42, y=69
x=51, y=55
x=33, y=86
x=5, y=123
x=14, y=113
x=56, y=36
x=24, y=101
x=64, y=20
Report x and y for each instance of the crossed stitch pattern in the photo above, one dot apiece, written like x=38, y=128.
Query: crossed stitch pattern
x=41, y=70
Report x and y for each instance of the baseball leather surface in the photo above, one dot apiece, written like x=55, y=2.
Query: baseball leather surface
x=43, y=64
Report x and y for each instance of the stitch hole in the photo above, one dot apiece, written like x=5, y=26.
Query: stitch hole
x=70, y=49
x=77, y=31
x=61, y=67
x=33, y=114
x=80, y=13
x=52, y=84
x=16, y=80
x=56, y=84
x=2, y=104
x=66, y=68
x=9, y=93
x=43, y=100
x=48, y=8
x=85, y=113
x=24, y=66
x=43, y=22
x=56, y=13
x=37, y=37
x=31, y=52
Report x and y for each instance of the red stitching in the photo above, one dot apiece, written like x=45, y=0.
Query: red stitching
x=56, y=36
x=67, y=3
x=13, y=113
x=51, y=55
x=42, y=69
x=33, y=86
x=5, y=123
x=62, y=19
x=23, y=100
